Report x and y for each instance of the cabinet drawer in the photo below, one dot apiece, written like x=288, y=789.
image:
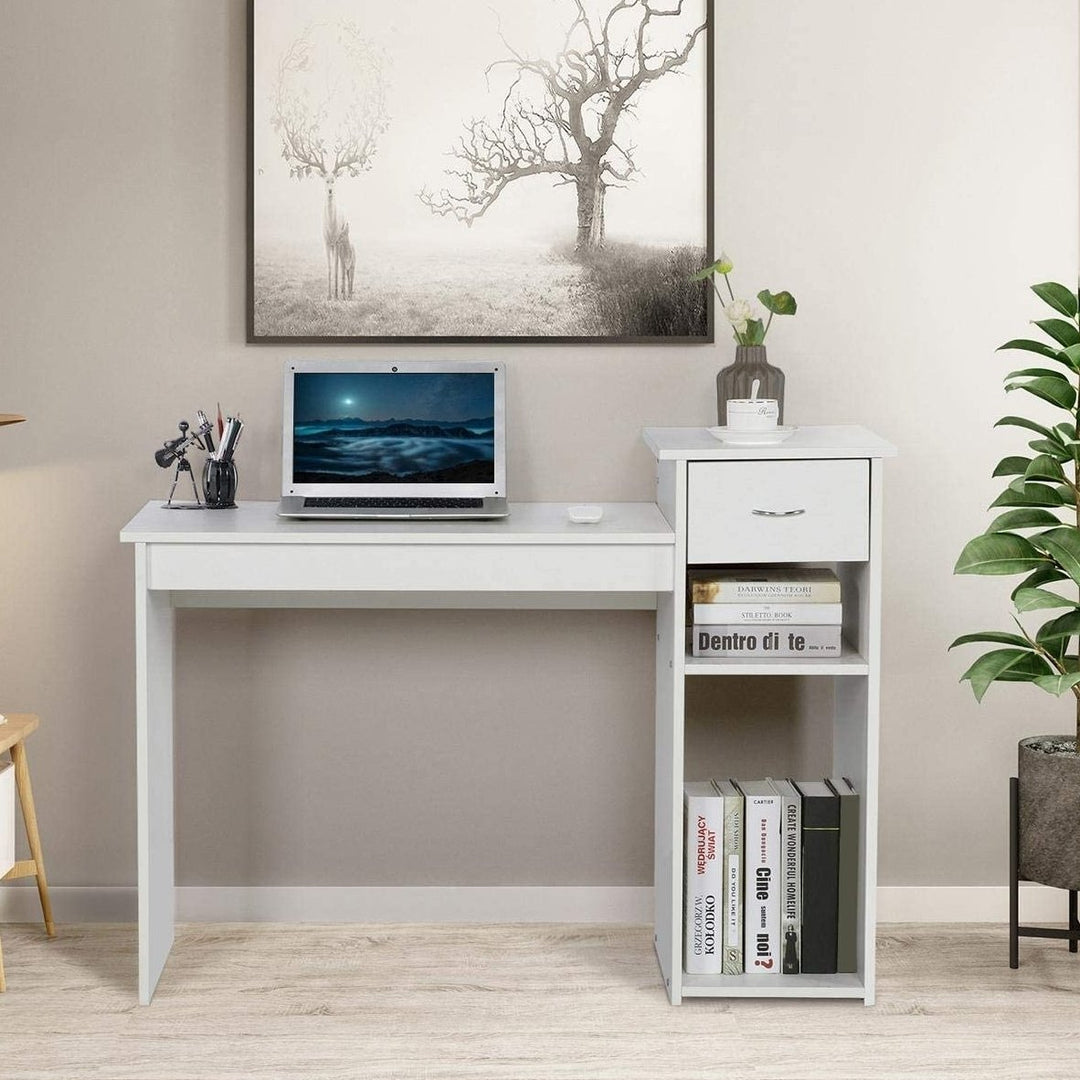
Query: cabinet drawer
x=778, y=511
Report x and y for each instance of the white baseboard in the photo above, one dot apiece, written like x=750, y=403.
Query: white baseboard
x=969, y=903
x=631, y=904
x=19, y=903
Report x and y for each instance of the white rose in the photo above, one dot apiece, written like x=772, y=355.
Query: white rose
x=739, y=313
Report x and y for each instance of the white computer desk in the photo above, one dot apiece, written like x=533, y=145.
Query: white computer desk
x=248, y=557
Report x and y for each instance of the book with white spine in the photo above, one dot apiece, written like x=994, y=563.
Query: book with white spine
x=761, y=877
x=764, y=641
x=703, y=933
x=731, y=906
x=751, y=612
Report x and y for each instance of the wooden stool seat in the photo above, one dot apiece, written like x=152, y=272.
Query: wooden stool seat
x=13, y=734
x=18, y=726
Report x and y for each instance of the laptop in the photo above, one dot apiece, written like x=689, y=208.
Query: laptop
x=394, y=440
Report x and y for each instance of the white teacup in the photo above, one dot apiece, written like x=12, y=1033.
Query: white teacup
x=752, y=414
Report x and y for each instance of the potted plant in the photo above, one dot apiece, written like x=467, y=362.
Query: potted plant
x=1037, y=533
x=749, y=330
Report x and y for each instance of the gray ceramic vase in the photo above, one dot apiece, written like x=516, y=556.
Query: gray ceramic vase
x=737, y=380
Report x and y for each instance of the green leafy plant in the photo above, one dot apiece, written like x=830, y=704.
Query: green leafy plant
x=746, y=323
x=1037, y=532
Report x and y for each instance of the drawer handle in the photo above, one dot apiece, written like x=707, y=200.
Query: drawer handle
x=777, y=513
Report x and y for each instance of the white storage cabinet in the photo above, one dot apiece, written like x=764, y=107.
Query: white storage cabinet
x=813, y=499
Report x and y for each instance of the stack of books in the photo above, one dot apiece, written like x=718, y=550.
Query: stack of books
x=772, y=877
x=765, y=611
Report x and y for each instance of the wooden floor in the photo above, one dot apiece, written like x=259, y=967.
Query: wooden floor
x=515, y=1003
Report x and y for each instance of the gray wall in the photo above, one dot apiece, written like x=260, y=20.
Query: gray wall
x=905, y=169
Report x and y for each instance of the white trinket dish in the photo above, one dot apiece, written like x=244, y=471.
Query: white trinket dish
x=585, y=514
x=742, y=437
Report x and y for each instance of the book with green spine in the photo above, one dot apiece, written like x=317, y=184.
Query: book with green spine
x=847, y=901
x=821, y=870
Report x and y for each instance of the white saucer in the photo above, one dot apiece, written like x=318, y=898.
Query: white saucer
x=772, y=437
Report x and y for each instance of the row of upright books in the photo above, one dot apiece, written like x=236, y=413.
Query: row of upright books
x=765, y=611
x=772, y=876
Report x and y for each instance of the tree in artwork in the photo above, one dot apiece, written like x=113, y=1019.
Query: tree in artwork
x=564, y=116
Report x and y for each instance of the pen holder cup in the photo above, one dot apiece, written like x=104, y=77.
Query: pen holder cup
x=219, y=484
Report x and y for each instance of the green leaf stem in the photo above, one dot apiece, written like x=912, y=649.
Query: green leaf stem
x=781, y=303
x=1057, y=684
x=1027, y=599
x=1062, y=544
x=1033, y=372
x=1024, y=422
x=1043, y=575
x=1044, y=467
x=993, y=636
x=1032, y=517
x=1058, y=297
x=1027, y=345
x=1056, y=450
x=1064, y=333
x=1012, y=466
x=1055, y=389
x=999, y=553
x=992, y=666
x=1029, y=495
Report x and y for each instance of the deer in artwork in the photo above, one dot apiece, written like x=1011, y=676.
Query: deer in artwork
x=356, y=94
x=333, y=226
x=346, y=255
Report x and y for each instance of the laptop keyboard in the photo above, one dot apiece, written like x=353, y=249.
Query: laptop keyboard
x=393, y=504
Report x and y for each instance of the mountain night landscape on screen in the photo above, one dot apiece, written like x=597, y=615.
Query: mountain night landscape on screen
x=383, y=428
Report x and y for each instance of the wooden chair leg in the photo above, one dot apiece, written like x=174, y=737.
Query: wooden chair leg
x=26, y=801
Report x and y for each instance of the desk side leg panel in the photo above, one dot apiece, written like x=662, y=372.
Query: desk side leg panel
x=856, y=731
x=154, y=763
x=668, y=810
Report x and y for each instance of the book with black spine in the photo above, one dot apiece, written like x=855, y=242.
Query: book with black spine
x=747, y=640
x=703, y=934
x=761, y=877
x=781, y=584
x=750, y=611
x=790, y=876
x=731, y=905
x=821, y=870
x=847, y=903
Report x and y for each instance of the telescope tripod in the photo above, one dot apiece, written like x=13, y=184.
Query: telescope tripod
x=183, y=466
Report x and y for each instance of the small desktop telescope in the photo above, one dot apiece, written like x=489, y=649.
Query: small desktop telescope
x=175, y=450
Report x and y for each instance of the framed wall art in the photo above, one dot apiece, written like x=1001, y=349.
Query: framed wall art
x=483, y=170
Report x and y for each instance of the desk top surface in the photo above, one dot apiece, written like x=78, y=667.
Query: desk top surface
x=528, y=523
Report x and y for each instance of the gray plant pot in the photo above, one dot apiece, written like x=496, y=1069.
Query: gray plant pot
x=1049, y=774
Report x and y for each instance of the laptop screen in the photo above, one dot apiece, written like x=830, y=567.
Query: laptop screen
x=404, y=427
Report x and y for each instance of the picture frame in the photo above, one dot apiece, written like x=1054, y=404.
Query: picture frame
x=431, y=173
